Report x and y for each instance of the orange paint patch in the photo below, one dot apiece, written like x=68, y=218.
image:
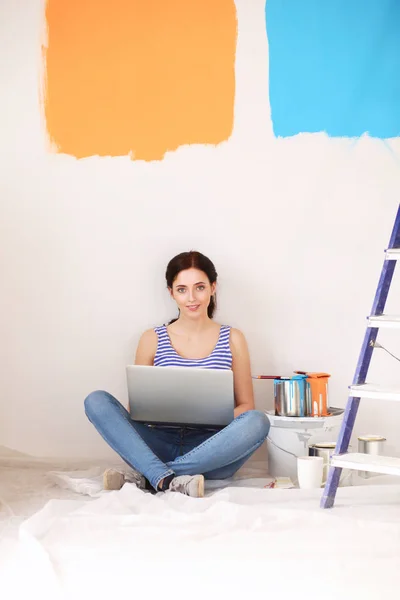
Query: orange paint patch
x=139, y=77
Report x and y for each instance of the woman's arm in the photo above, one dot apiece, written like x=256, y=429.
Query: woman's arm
x=147, y=348
x=243, y=385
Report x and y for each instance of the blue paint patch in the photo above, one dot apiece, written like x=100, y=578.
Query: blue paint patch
x=334, y=66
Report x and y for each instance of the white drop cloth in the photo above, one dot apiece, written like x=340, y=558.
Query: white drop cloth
x=234, y=543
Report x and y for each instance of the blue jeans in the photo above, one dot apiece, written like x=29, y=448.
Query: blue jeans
x=159, y=451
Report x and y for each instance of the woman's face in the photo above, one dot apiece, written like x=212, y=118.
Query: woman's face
x=192, y=292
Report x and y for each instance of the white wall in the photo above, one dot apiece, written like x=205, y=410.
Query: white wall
x=296, y=228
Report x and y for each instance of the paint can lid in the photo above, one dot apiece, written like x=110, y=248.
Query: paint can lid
x=314, y=375
x=371, y=438
x=327, y=445
x=324, y=446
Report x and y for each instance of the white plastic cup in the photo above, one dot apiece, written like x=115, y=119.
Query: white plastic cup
x=310, y=471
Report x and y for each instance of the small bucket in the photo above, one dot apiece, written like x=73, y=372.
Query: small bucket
x=317, y=394
x=290, y=396
x=370, y=444
x=326, y=450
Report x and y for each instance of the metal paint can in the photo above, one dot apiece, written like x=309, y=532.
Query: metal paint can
x=317, y=387
x=316, y=393
x=326, y=450
x=290, y=396
x=370, y=444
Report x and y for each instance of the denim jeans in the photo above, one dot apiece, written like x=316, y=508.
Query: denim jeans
x=159, y=451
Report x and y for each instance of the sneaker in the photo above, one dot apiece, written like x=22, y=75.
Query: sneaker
x=114, y=480
x=190, y=485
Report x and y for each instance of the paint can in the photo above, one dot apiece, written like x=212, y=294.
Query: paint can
x=290, y=396
x=370, y=444
x=316, y=394
x=326, y=450
x=317, y=388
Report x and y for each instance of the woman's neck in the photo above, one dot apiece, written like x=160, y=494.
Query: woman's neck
x=192, y=326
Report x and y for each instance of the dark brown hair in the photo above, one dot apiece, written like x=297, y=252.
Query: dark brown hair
x=192, y=260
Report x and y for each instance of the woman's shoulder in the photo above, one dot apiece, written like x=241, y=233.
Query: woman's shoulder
x=146, y=348
x=235, y=333
x=237, y=338
x=233, y=330
x=149, y=337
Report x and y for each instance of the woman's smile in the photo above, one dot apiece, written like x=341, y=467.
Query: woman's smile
x=194, y=307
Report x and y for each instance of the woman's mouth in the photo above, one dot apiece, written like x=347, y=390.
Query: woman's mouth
x=194, y=307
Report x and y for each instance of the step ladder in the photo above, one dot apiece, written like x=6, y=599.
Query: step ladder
x=360, y=389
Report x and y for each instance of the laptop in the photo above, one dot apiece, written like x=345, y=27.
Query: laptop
x=180, y=395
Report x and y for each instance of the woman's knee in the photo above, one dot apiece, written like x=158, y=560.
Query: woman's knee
x=258, y=424
x=96, y=402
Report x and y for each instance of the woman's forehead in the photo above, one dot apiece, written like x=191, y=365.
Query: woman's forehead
x=190, y=277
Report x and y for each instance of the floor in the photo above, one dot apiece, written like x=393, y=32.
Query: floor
x=71, y=540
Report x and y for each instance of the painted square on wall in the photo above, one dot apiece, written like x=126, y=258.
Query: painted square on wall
x=334, y=66
x=138, y=77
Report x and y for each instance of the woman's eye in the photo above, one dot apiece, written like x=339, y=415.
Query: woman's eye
x=200, y=287
x=180, y=290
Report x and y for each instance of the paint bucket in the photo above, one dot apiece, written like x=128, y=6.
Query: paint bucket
x=316, y=394
x=370, y=444
x=290, y=396
x=290, y=437
x=326, y=450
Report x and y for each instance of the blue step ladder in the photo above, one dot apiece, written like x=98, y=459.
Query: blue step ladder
x=360, y=389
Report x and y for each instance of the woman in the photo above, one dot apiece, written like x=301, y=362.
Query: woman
x=178, y=458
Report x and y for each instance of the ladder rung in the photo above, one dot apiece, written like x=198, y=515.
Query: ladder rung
x=392, y=254
x=367, y=462
x=388, y=321
x=369, y=390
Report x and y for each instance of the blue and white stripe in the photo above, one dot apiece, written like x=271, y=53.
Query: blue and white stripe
x=166, y=355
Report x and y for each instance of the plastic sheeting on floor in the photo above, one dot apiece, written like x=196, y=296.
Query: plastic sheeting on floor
x=235, y=542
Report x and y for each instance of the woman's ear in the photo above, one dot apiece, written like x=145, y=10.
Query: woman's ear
x=170, y=292
x=213, y=288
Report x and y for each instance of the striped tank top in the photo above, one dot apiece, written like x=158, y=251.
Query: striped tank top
x=167, y=356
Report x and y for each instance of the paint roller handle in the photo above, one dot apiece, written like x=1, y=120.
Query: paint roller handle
x=267, y=376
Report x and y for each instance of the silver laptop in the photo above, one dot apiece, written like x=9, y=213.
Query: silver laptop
x=180, y=395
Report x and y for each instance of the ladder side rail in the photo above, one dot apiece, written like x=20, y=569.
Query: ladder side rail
x=360, y=375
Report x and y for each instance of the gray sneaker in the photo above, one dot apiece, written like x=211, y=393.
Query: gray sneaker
x=191, y=485
x=114, y=479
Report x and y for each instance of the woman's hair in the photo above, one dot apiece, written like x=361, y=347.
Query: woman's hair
x=192, y=260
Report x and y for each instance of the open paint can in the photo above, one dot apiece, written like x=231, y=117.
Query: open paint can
x=317, y=393
x=370, y=444
x=324, y=449
x=290, y=396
